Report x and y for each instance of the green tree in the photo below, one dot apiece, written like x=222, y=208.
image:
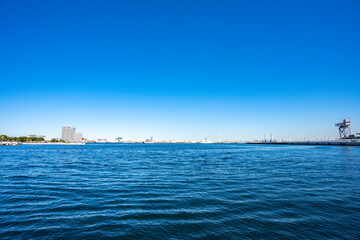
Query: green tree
x=23, y=139
x=4, y=138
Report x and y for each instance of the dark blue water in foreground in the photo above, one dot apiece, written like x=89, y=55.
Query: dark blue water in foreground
x=179, y=191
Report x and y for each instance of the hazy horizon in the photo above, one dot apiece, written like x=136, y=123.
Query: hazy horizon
x=226, y=70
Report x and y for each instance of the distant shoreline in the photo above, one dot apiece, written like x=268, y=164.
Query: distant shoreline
x=327, y=143
x=39, y=143
x=51, y=143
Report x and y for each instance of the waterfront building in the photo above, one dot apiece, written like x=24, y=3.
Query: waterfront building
x=34, y=135
x=151, y=140
x=78, y=137
x=68, y=133
x=48, y=139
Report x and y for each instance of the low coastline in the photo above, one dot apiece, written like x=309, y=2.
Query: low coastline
x=50, y=143
x=331, y=143
x=39, y=143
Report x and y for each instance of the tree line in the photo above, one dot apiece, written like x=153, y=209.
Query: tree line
x=25, y=139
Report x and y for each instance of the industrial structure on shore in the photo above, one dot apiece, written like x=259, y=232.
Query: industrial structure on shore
x=346, y=138
x=345, y=131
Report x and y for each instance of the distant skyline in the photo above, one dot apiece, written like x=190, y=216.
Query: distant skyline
x=222, y=70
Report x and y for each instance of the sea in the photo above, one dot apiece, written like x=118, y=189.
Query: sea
x=179, y=191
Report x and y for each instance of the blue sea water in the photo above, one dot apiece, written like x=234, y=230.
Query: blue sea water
x=179, y=191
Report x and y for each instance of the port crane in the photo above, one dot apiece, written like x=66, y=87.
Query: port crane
x=344, y=128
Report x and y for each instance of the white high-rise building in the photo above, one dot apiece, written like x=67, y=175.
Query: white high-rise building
x=68, y=133
x=78, y=137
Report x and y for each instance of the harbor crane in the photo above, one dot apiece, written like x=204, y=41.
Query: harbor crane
x=344, y=128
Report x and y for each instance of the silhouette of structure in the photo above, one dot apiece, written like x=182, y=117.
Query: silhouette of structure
x=344, y=128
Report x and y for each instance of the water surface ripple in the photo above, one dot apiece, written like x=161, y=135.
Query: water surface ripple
x=179, y=191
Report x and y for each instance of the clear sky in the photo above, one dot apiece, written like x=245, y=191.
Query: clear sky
x=224, y=70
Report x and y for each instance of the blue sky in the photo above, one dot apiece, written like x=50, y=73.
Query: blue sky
x=225, y=70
